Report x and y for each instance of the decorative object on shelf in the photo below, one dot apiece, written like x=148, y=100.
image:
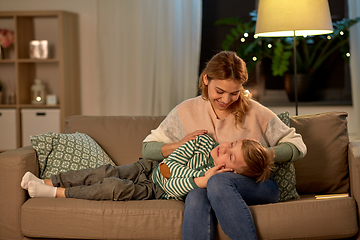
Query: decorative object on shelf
x=39, y=49
x=6, y=39
x=51, y=99
x=1, y=91
x=38, y=92
x=12, y=98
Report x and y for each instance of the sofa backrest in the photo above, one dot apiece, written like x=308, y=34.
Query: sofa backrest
x=120, y=136
x=324, y=169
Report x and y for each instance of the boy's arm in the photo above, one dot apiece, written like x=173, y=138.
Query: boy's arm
x=201, y=182
x=174, y=176
x=179, y=187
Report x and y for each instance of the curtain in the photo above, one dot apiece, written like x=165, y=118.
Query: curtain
x=354, y=11
x=147, y=55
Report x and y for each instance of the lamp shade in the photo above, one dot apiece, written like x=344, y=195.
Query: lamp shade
x=280, y=18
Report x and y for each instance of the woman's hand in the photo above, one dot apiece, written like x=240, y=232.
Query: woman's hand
x=191, y=136
x=201, y=182
x=167, y=149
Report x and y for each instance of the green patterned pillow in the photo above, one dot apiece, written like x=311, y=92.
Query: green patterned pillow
x=66, y=152
x=284, y=173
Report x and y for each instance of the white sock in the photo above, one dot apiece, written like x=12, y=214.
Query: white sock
x=28, y=176
x=39, y=190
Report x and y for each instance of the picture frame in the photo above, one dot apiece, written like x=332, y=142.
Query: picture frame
x=39, y=49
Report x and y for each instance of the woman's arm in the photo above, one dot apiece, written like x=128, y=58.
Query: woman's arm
x=286, y=152
x=278, y=133
x=152, y=150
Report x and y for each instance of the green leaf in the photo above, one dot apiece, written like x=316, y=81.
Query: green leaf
x=280, y=61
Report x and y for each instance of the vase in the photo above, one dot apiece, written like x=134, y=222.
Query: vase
x=305, y=89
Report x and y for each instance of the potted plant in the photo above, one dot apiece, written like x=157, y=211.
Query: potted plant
x=312, y=51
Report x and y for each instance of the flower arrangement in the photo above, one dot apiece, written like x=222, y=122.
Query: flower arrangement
x=6, y=37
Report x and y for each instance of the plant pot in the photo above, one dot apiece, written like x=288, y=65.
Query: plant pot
x=305, y=90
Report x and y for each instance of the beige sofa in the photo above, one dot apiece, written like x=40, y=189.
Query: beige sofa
x=332, y=165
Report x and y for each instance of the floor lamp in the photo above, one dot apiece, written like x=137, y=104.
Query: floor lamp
x=291, y=18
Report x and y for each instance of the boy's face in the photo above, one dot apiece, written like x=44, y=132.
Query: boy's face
x=230, y=154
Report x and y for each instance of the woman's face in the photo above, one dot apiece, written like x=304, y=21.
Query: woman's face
x=222, y=93
x=230, y=154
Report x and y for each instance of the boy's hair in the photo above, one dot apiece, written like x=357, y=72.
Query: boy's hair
x=259, y=160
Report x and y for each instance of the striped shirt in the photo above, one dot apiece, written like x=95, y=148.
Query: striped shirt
x=189, y=161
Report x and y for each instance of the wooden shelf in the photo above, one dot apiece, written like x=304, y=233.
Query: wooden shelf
x=38, y=60
x=38, y=106
x=59, y=72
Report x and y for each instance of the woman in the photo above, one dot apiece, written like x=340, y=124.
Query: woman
x=226, y=113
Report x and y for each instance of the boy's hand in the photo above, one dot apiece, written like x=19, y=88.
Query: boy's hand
x=201, y=182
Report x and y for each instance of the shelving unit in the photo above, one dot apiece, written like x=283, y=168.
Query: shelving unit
x=60, y=72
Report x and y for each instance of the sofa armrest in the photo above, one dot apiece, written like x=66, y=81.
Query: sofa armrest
x=13, y=165
x=354, y=169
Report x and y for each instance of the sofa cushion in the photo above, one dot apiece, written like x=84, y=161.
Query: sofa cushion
x=306, y=218
x=85, y=219
x=162, y=219
x=121, y=132
x=65, y=152
x=324, y=169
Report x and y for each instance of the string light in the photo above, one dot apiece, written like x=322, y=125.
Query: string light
x=242, y=39
x=246, y=34
x=329, y=37
x=247, y=93
x=255, y=37
x=348, y=54
x=341, y=33
x=254, y=58
x=269, y=45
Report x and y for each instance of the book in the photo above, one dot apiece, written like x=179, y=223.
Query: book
x=341, y=195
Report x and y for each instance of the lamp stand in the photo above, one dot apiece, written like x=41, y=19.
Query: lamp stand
x=295, y=76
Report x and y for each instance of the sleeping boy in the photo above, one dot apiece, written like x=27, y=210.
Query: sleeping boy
x=188, y=167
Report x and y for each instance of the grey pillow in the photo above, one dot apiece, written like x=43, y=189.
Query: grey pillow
x=284, y=173
x=66, y=152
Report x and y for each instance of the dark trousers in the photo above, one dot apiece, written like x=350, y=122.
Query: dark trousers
x=128, y=182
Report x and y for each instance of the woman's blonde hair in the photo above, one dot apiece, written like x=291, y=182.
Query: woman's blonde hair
x=224, y=66
x=259, y=160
